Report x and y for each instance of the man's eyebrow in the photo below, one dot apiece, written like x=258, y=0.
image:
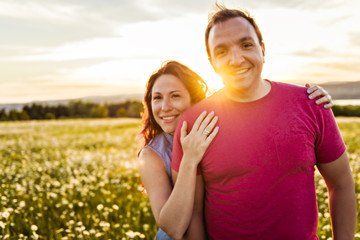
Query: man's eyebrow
x=220, y=46
x=244, y=39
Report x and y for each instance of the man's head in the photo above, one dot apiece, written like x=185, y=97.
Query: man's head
x=223, y=14
x=235, y=48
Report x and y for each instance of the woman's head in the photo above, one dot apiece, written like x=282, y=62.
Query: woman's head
x=169, y=91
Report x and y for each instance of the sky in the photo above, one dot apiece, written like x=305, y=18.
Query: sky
x=61, y=49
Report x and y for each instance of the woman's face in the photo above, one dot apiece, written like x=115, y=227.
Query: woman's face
x=169, y=100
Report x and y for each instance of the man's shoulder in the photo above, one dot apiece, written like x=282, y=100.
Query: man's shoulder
x=206, y=104
x=297, y=97
x=289, y=87
x=290, y=92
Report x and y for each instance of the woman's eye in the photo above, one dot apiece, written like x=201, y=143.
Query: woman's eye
x=176, y=95
x=156, y=97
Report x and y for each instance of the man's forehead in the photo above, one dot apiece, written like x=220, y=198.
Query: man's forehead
x=231, y=27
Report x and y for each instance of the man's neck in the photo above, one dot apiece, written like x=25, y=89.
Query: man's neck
x=253, y=93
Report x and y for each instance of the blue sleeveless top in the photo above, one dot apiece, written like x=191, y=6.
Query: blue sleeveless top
x=162, y=144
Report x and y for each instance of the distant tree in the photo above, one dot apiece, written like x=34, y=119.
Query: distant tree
x=135, y=109
x=121, y=112
x=80, y=109
x=49, y=115
x=35, y=111
x=23, y=115
x=3, y=115
x=346, y=110
x=113, y=108
x=62, y=111
x=13, y=115
x=99, y=111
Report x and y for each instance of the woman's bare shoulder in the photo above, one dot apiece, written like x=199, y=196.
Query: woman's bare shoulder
x=149, y=158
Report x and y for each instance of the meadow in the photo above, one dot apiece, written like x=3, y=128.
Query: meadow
x=78, y=179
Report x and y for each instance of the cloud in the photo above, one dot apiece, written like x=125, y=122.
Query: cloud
x=336, y=20
x=291, y=4
x=52, y=23
x=354, y=38
x=41, y=72
x=349, y=66
x=67, y=10
x=326, y=54
x=180, y=7
x=319, y=52
x=328, y=71
x=22, y=33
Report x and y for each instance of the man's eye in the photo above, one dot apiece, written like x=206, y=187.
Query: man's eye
x=220, y=53
x=247, y=45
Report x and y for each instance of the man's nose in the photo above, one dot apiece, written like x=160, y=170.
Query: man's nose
x=236, y=56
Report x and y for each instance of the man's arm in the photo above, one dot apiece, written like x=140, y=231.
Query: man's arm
x=342, y=200
x=196, y=228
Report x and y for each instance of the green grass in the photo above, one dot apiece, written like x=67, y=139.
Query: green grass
x=78, y=179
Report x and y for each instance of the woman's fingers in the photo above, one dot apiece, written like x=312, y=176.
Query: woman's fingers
x=317, y=91
x=329, y=105
x=211, y=136
x=201, y=135
x=183, y=132
x=326, y=99
x=205, y=123
x=201, y=122
x=198, y=121
x=209, y=128
x=312, y=90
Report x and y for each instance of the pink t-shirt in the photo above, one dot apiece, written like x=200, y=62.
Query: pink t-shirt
x=259, y=170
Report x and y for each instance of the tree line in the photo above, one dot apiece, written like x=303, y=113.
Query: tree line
x=132, y=109
x=74, y=109
x=346, y=110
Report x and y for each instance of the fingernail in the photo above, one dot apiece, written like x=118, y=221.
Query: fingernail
x=311, y=96
x=308, y=91
x=317, y=101
x=217, y=127
x=216, y=117
x=325, y=106
x=205, y=111
x=212, y=112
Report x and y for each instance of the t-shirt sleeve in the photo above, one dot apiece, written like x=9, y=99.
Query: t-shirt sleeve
x=177, y=149
x=329, y=144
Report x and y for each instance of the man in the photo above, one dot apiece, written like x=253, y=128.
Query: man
x=257, y=176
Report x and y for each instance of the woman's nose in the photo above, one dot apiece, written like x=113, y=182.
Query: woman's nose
x=166, y=105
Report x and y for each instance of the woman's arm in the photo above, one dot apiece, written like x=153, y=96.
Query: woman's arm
x=173, y=210
x=196, y=229
x=317, y=91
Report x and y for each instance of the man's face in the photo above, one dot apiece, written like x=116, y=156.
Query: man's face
x=236, y=54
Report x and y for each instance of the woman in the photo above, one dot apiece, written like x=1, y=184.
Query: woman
x=169, y=91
